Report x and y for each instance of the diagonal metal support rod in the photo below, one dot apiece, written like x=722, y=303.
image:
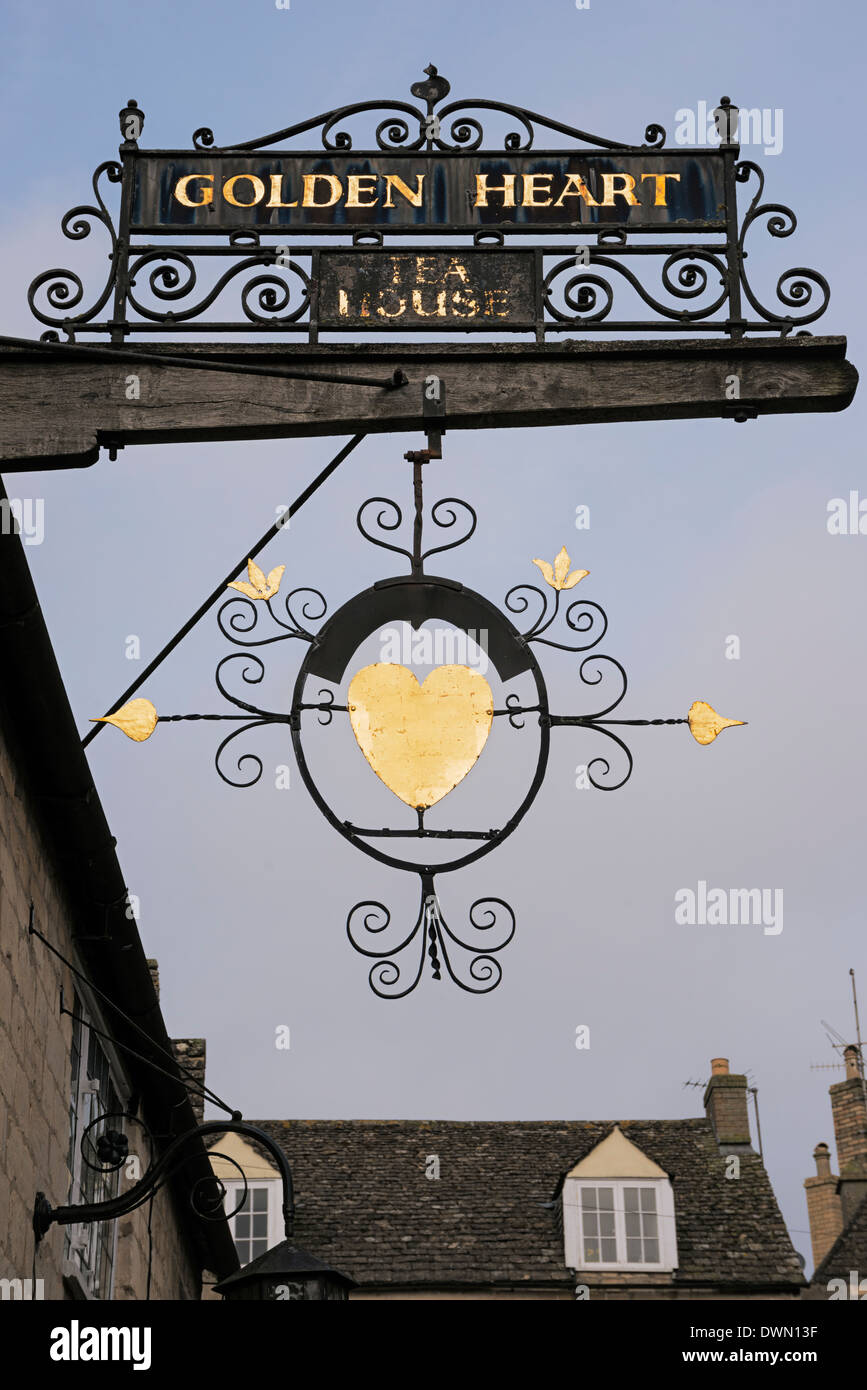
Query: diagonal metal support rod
x=233, y=574
x=202, y=363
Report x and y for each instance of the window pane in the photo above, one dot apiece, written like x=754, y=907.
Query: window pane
x=242, y=1226
x=649, y=1224
x=633, y=1251
x=630, y=1198
x=591, y=1251
x=245, y=1205
x=259, y=1248
x=609, y=1251
x=651, y=1251
x=260, y=1199
x=591, y=1223
x=588, y=1197
x=648, y=1199
x=606, y=1198
x=633, y=1224
x=606, y=1223
x=260, y=1224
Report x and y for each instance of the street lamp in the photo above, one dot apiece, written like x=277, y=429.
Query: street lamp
x=285, y=1272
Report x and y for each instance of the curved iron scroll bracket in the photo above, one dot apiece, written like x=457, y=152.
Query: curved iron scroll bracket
x=45, y=1216
x=795, y=286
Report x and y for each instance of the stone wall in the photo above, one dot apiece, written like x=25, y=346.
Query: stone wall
x=35, y=1075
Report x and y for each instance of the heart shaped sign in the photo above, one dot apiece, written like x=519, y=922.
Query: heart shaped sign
x=420, y=740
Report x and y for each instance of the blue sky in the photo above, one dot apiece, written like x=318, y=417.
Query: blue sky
x=698, y=530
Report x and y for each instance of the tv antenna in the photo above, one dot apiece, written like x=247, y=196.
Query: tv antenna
x=840, y=1045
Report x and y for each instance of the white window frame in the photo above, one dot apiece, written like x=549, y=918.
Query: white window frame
x=573, y=1232
x=274, y=1187
x=82, y=1243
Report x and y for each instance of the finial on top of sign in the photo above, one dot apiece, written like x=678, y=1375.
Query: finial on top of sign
x=433, y=90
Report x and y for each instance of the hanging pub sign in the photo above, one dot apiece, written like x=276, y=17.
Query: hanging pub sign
x=519, y=225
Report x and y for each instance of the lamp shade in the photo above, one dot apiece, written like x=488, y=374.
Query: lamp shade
x=286, y=1273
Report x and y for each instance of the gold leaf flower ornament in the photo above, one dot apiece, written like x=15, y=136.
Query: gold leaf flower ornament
x=259, y=587
x=557, y=575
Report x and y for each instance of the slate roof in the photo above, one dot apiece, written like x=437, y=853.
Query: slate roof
x=849, y=1252
x=366, y=1206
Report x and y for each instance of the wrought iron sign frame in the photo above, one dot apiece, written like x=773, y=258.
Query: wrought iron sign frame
x=417, y=597
x=281, y=296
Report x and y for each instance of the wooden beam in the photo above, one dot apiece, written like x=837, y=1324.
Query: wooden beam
x=59, y=412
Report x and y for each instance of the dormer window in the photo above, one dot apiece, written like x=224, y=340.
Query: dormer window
x=618, y=1210
x=255, y=1216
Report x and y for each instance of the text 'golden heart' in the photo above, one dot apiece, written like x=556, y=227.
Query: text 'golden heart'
x=420, y=740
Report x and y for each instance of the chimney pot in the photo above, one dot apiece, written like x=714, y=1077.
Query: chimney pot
x=852, y=1060
x=822, y=1155
x=719, y=1066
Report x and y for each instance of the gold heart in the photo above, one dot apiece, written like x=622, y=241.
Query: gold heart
x=420, y=740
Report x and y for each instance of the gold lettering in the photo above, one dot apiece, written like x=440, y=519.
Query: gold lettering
x=497, y=303
x=507, y=188
x=531, y=188
x=183, y=196
x=659, y=200
x=310, y=181
x=627, y=191
x=394, y=181
x=343, y=304
x=383, y=312
x=354, y=190
x=423, y=263
x=276, y=190
x=438, y=313
x=579, y=191
x=462, y=298
x=458, y=268
x=229, y=190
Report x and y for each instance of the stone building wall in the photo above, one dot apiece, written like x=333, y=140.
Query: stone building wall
x=35, y=1074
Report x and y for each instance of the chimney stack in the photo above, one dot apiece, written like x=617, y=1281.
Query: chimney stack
x=824, y=1208
x=725, y=1102
x=850, y=1112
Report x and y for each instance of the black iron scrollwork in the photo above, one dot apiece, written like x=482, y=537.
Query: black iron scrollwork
x=581, y=616
x=795, y=287
x=436, y=940
x=444, y=514
x=174, y=278
x=64, y=289
x=207, y=1192
x=393, y=130
x=159, y=286
x=582, y=291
